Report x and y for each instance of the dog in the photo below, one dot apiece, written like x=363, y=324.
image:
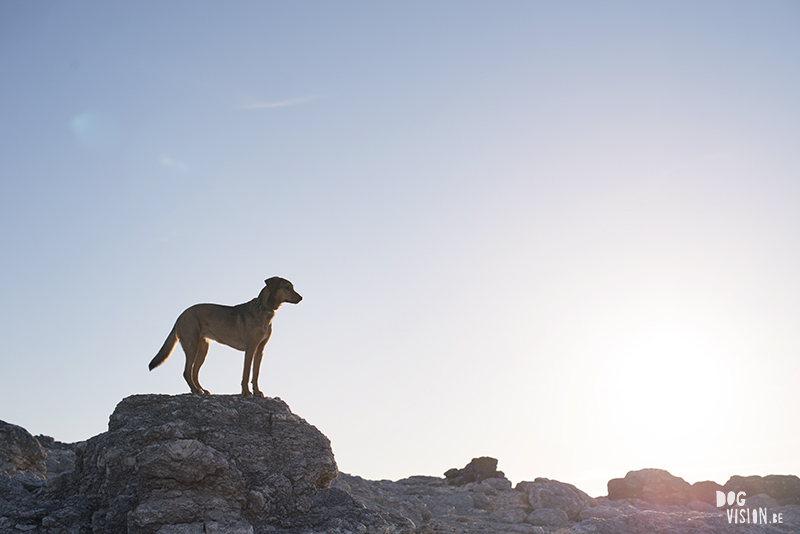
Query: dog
x=245, y=327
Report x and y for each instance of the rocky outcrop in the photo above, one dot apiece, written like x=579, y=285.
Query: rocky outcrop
x=59, y=457
x=237, y=460
x=655, y=486
x=19, y=451
x=785, y=489
x=477, y=470
x=540, y=507
x=22, y=457
x=543, y=494
x=434, y=505
x=705, y=491
x=193, y=464
x=677, y=521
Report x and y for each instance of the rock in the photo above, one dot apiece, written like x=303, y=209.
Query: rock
x=701, y=506
x=433, y=505
x=621, y=488
x=762, y=500
x=60, y=457
x=480, y=500
x=648, y=522
x=513, y=515
x=408, y=497
x=545, y=493
x=478, y=470
x=783, y=488
x=705, y=491
x=191, y=459
x=228, y=465
x=791, y=516
x=12, y=490
x=655, y=486
x=498, y=484
x=19, y=451
x=262, y=435
x=548, y=517
x=30, y=480
x=185, y=464
x=599, y=512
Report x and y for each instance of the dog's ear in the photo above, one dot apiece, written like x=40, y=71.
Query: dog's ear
x=273, y=284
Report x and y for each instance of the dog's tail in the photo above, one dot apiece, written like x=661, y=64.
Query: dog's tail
x=166, y=350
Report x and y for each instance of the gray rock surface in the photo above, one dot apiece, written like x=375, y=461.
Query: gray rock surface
x=783, y=488
x=477, y=470
x=228, y=465
x=552, y=494
x=22, y=457
x=435, y=506
x=548, y=517
x=652, y=485
x=651, y=521
x=705, y=491
x=186, y=464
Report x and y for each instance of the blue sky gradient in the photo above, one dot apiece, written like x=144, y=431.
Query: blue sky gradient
x=564, y=234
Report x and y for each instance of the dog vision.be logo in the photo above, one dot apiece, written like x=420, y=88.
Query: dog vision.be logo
x=756, y=516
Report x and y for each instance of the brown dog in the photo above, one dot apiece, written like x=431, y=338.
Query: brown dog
x=244, y=327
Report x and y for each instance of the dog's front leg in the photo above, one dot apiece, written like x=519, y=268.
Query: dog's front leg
x=248, y=361
x=257, y=367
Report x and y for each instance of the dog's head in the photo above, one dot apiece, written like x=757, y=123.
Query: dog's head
x=282, y=290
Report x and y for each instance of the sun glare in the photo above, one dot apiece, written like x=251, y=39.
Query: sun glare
x=661, y=384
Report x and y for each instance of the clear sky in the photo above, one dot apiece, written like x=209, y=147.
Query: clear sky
x=563, y=234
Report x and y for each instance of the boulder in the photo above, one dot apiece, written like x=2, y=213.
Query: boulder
x=19, y=451
x=705, y=491
x=477, y=470
x=655, y=486
x=783, y=488
x=545, y=493
x=497, y=484
x=762, y=500
x=600, y=512
x=480, y=500
x=184, y=459
x=193, y=464
x=509, y=515
x=548, y=517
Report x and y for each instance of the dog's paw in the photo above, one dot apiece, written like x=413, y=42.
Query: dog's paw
x=246, y=393
x=257, y=393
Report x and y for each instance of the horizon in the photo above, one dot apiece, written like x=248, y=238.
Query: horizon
x=560, y=235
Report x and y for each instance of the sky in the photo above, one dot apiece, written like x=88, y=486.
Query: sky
x=561, y=234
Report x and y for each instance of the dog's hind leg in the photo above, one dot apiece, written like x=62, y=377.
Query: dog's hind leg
x=199, y=359
x=248, y=361
x=192, y=347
